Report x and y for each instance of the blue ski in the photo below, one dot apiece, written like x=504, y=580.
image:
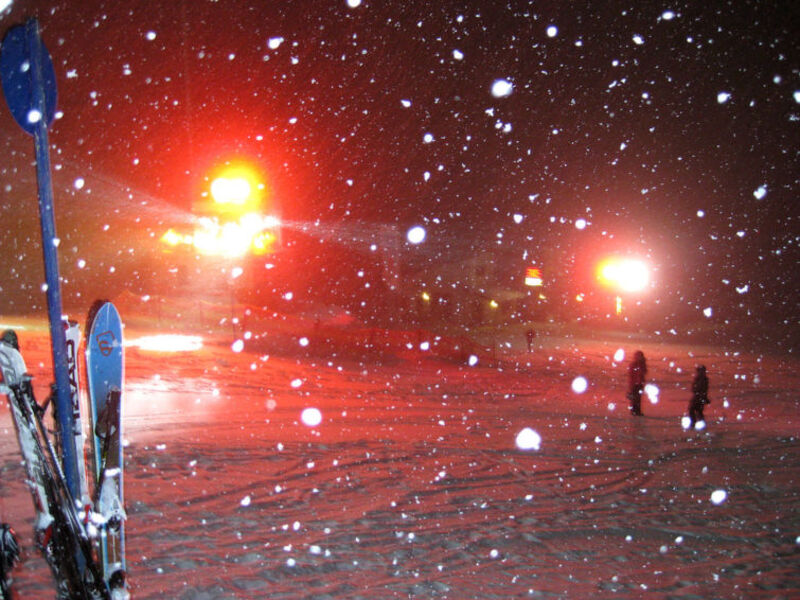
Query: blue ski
x=104, y=373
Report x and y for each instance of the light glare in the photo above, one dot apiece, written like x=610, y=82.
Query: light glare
x=627, y=275
x=230, y=191
x=167, y=343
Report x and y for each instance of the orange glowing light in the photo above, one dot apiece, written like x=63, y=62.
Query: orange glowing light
x=252, y=232
x=226, y=190
x=173, y=238
x=235, y=189
x=624, y=274
x=263, y=242
x=533, y=277
x=230, y=220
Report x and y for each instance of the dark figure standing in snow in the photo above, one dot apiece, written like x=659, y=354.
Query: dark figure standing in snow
x=529, y=335
x=699, y=396
x=636, y=378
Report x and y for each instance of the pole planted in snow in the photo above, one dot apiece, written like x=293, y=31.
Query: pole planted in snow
x=29, y=86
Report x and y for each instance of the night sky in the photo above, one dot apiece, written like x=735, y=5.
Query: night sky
x=671, y=128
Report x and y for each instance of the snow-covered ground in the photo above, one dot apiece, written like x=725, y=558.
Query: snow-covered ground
x=413, y=484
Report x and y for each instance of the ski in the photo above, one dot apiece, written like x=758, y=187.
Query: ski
x=58, y=530
x=104, y=374
x=73, y=334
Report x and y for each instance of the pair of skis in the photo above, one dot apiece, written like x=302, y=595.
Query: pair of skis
x=68, y=528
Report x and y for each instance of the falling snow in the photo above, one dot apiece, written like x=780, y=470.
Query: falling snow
x=416, y=235
x=502, y=88
x=528, y=439
x=351, y=405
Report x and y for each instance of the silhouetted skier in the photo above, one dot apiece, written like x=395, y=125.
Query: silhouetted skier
x=636, y=378
x=529, y=335
x=699, y=396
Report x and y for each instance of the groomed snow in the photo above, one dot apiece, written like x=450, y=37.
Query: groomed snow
x=412, y=484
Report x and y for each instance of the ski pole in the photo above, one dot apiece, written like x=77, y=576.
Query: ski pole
x=49, y=245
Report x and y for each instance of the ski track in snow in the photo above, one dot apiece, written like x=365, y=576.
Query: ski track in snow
x=412, y=487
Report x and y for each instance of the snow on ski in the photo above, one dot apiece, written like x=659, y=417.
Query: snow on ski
x=58, y=530
x=104, y=371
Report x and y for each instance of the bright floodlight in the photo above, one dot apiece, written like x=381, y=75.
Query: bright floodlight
x=627, y=275
x=251, y=233
x=235, y=190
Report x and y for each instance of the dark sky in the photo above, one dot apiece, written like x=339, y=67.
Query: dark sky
x=671, y=127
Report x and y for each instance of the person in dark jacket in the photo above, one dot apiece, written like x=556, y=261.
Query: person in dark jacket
x=637, y=371
x=529, y=335
x=699, y=396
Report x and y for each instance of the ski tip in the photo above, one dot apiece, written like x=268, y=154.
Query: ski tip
x=94, y=309
x=9, y=336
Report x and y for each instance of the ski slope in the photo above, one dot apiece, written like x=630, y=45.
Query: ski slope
x=412, y=485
